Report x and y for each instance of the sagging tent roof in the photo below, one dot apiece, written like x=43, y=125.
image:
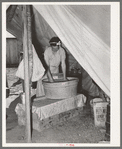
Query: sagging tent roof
x=83, y=29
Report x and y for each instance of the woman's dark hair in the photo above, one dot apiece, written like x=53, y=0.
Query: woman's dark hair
x=54, y=39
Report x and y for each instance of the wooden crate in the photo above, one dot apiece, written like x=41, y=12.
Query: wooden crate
x=40, y=125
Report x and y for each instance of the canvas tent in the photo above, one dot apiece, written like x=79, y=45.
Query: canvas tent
x=83, y=29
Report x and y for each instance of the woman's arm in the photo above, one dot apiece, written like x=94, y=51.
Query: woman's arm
x=63, y=65
x=49, y=75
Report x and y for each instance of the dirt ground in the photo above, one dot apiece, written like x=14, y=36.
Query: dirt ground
x=80, y=129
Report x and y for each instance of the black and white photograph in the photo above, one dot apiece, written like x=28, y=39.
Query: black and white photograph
x=60, y=74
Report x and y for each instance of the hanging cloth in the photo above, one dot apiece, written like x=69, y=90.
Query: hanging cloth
x=38, y=69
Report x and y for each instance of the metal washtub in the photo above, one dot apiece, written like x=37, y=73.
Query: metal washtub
x=60, y=89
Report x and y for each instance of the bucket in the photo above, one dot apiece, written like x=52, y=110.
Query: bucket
x=60, y=89
x=95, y=100
x=99, y=111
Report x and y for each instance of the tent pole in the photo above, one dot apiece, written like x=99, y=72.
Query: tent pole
x=29, y=33
x=27, y=80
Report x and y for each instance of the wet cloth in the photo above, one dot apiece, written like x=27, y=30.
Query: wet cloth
x=38, y=69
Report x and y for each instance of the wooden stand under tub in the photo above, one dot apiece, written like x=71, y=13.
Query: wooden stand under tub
x=49, y=112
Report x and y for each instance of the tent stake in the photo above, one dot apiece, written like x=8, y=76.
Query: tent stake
x=27, y=74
